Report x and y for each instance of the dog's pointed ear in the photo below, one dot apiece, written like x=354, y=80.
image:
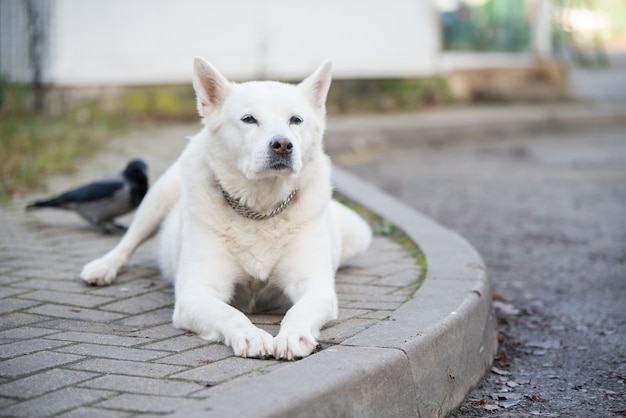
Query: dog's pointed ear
x=317, y=84
x=211, y=87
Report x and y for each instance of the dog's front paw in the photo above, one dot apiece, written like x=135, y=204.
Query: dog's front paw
x=252, y=342
x=99, y=272
x=290, y=345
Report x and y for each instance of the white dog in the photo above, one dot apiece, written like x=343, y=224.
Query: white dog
x=247, y=221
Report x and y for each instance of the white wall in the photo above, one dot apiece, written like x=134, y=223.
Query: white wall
x=154, y=41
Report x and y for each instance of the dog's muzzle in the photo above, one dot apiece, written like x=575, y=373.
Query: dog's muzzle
x=280, y=150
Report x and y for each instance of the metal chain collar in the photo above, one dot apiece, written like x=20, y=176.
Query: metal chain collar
x=246, y=212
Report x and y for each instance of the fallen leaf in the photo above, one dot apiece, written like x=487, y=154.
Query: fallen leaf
x=497, y=297
x=536, y=398
x=508, y=404
x=506, y=308
x=500, y=371
x=546, y=345
x=506, y=396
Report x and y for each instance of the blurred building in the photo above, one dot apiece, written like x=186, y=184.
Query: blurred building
x=131, y=42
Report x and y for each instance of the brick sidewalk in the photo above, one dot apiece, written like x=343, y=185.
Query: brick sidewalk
x=68, y=349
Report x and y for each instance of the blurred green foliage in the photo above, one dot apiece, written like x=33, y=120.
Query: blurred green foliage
x=34, y=145
x=388, y=95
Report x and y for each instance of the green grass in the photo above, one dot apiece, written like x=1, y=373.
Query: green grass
x=33, y=146
x=383, y=227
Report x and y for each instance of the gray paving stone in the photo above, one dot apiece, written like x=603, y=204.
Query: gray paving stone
x=69, y=299
x=143, y=385
x=55, y=402
x=404, y=294
x=41, y=383
x=19, y=348
x=363, y=289
x=45, y=273
x=347, y=313
x=146, y=403
x=130, y=288
x=343, y=330
x=99, y=338
x=77, y=325
x=148, y=319
x=199, y=356
x=158, y=332
x=95, y=413
x=58, y=285
x=11, y=305
x=352, y=276
x=390, y=267
x=10, y=291
x=83, y=314
x=33, y=362
x=178, y=344
x=379, y=315
x=114, y=352
x=383, y=295
x=139, y=269
x=143, y=303
x=222, y=370
x=373, y=259
x=4, y=402
x=17, y=319
x=25, y=333
x=7, y=278
x=104, y=365
x=403, y=278
x=368, y=304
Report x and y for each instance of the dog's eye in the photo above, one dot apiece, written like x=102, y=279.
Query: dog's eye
x=249, y=119
x=295, y=120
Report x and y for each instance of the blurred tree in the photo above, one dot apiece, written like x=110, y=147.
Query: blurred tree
x=35, y=51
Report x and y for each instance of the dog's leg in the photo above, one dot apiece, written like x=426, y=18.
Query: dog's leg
x=204, y=284
x=310, y=286
x=198, y=309
x=301, y=325
x=153, y=209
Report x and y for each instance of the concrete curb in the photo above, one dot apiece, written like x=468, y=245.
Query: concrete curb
x=421, y=362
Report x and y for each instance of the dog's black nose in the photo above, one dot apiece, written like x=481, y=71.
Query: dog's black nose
x=281, y=145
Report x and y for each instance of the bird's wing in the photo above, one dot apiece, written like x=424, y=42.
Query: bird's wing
x=92, y=191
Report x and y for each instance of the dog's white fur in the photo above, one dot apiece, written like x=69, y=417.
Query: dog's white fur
x=223, y=263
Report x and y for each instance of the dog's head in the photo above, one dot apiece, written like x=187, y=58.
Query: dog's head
x=264, y=128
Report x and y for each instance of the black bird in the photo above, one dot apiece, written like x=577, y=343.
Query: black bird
x=106, y=198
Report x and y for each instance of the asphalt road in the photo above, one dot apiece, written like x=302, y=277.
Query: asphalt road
x=547, y=211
